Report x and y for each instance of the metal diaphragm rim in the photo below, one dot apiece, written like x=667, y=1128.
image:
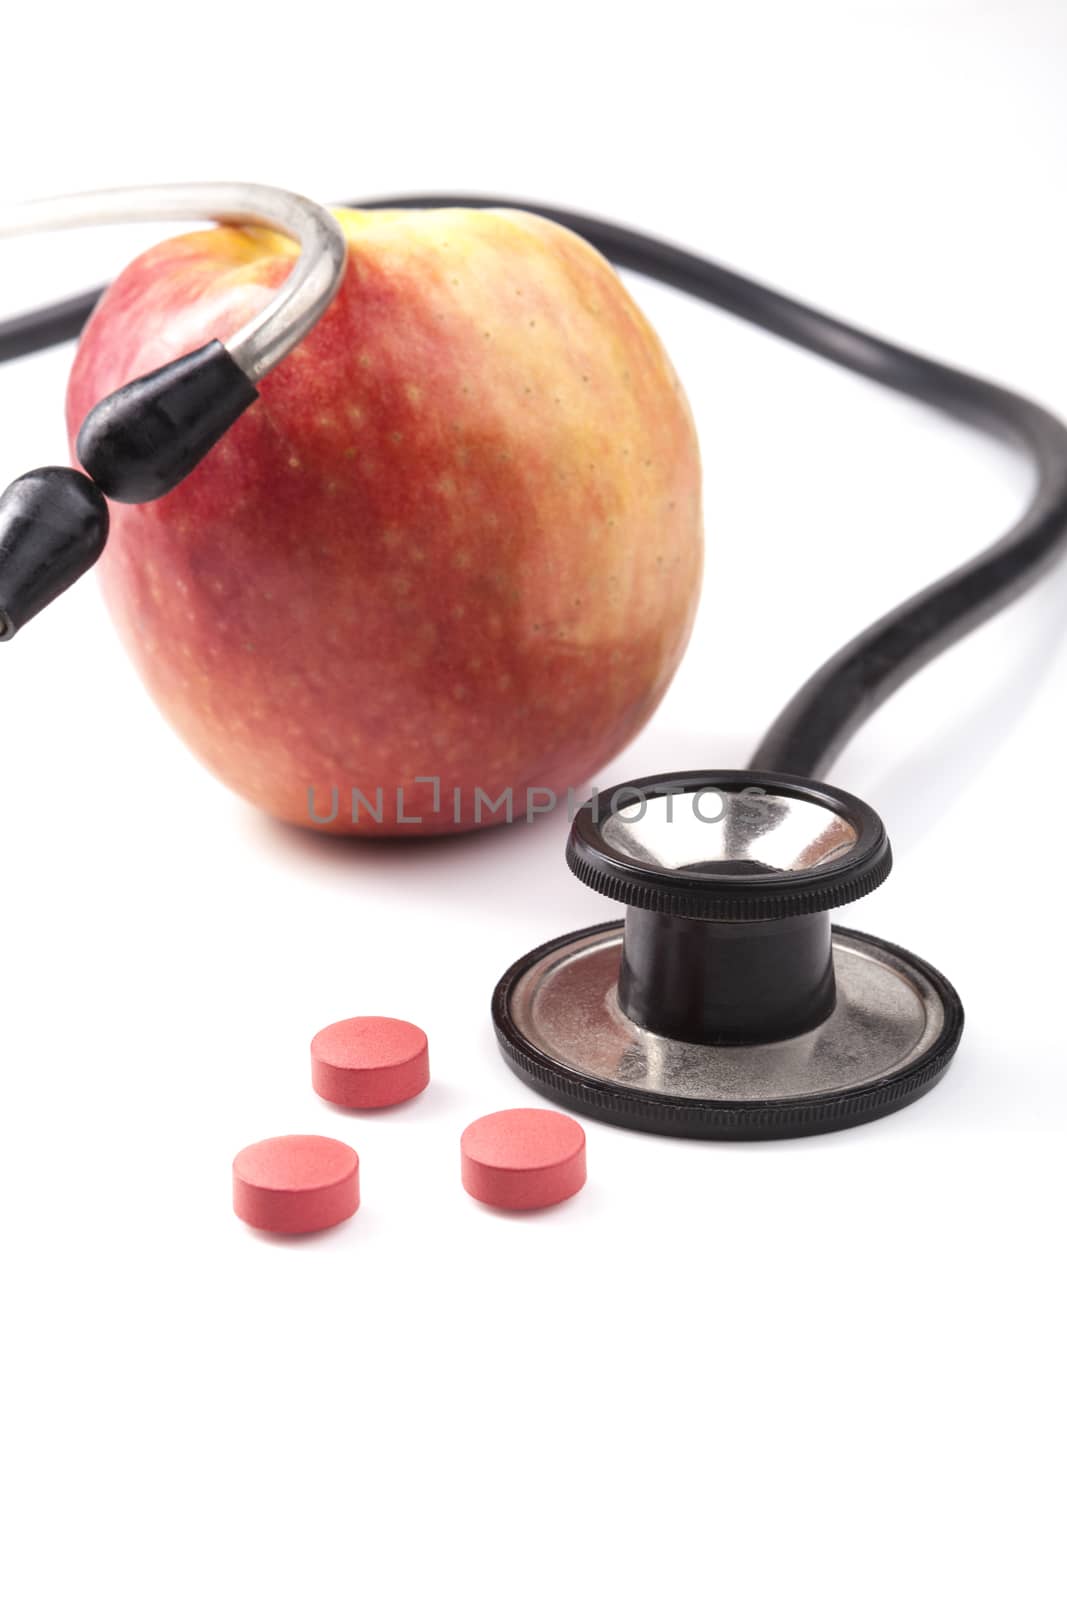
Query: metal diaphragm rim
x=894, y=1030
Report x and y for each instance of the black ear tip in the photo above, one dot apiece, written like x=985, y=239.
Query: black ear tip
x=136, y=445
x=53, y=528
x=141, y=441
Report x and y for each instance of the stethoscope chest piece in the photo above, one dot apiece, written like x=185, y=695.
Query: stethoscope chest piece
x=726, y=1006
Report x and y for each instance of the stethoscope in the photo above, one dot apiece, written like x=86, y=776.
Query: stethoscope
x=726, y=1004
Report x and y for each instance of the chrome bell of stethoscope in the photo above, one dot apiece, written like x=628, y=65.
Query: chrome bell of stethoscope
x=726, y=1006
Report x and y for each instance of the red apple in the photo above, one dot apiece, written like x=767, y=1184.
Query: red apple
x=457, y=538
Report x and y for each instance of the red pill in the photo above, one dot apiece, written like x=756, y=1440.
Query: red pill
x=366, y=1062
x=522, y=1160
x=296, y=1184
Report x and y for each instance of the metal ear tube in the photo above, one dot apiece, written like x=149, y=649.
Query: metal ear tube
x=726, y=1005
x=142, y=441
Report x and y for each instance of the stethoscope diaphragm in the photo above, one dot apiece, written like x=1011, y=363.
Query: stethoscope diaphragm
x=726, y=1005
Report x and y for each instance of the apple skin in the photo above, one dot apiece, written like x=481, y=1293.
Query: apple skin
x=457, y=537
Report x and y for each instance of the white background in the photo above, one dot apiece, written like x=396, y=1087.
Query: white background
x=830, y=1366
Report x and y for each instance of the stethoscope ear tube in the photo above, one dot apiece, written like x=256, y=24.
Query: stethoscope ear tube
x=142, y=441
x=273, y=332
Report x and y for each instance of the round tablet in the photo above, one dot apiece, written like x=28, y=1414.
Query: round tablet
x=522, y=1160
x=369, y=1061
x=297, y=1184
